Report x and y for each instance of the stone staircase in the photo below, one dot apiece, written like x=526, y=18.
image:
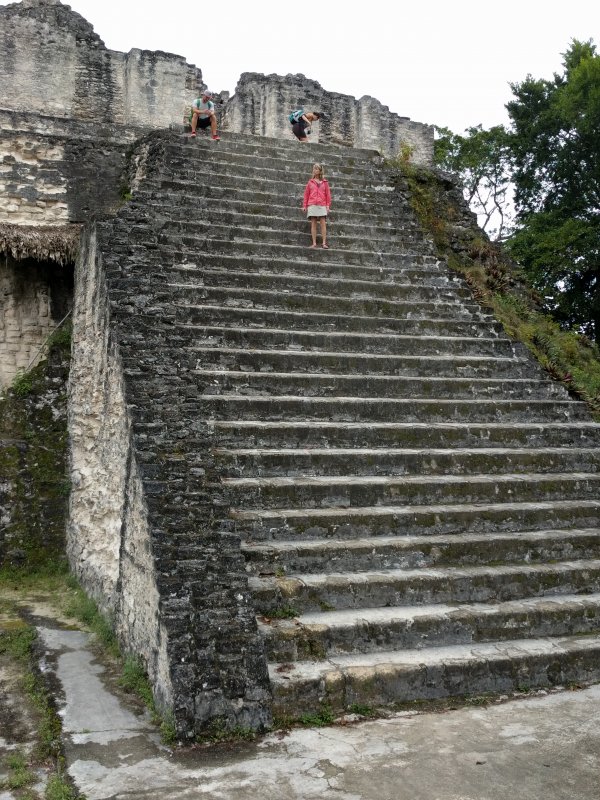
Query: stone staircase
x=417, y=502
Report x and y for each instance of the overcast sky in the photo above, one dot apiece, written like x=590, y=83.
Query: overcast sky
x=435, y=61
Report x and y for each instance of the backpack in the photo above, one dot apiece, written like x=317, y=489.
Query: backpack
x=295, y=116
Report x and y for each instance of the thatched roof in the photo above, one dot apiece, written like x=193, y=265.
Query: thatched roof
x=58, y=243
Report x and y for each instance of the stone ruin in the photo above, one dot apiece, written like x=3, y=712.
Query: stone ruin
x=271, y=453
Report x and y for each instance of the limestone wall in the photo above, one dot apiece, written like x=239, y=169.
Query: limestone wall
x=55, y=64
x=108, y=541
x=261, y=105
x=33, y=299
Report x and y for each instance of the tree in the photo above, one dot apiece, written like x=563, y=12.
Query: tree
x=555, y=144
x=482, y=160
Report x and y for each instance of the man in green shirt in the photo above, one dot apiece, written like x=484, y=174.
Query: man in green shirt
x=203, y=114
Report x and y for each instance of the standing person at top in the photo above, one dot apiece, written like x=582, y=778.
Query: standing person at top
x=301, y=121
x=203, y=114
x=316, y=203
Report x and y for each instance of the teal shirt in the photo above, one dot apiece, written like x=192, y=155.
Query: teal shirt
x=203, y=107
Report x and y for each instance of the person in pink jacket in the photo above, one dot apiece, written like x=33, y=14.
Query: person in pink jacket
x=316, y=203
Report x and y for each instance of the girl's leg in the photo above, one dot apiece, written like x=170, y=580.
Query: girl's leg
x=323, y=221
x=313, y=230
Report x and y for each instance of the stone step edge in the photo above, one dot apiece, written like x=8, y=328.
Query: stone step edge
x=410, y=541
x=366, y=285
x=403, y=480
x=426, y=452
x=400, y=426
x=182, y=138
x=342, y=680
x=352, y=354
x=340, y=214
x=290, y=585
x=367, y=335
x=398, y=512
x=366, y=157
x=347, y=619
x=534, y=383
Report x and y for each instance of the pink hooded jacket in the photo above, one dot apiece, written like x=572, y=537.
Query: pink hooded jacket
x=316, y=194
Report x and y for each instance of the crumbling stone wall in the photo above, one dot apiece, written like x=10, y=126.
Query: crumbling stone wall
x=108, y=541
x=261, y=105
x=54, y=64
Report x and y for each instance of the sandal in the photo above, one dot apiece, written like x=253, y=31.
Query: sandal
x=312, y=247
x=325, y=246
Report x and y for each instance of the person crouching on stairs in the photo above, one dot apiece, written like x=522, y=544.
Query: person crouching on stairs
x=203, y=114
x=316, y=203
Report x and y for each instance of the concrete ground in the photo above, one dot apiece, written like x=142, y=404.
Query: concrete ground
x=547, y=747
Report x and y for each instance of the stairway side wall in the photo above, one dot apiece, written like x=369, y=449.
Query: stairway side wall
x=108, y=541
x=261, y=105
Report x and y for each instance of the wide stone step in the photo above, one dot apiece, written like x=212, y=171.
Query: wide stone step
x=197, y=232
x=344, y=286
x=339, y=384
x=294, y=462
x=402, y=520
x=342, y=341
x=347, y=491
x=292, y=226
x=374, y=364
x=401, y=676
x=323, y=304
x=370, y=409
x=259, y=207
x=315, y=433
x=271, y=148
x=188, y=245
x=238, y=316
x=321, y=635
x=354, y=198
x=286, y=160
x=359, y=590
x=160, y=196
x=413, y=552
x=292, y=173
x=195, y=284
x=430, y=274
x=309, y=262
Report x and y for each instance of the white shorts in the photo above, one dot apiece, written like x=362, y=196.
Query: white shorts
x=316, y=211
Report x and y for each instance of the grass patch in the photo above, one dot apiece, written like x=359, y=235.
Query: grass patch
x=58, y=788
x=19, y=773
x=22, y=384
x=84, y=609
x=318, y=719
x=283, y=612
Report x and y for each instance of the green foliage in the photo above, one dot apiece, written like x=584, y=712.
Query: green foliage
x=556, y=150
x=61, y=337
x=283, y=612
x=133, y=679
x=22, y=384
x=482, y=160
x=83, y=608
x=318, y=719
x=58, y=788
x=496, y=282
x=19, y=773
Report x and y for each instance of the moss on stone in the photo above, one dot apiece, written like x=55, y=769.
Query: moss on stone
x=498, y=283
x=33, y=453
